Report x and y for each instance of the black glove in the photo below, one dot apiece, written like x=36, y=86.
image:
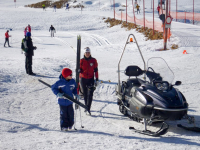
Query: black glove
x=35, y=47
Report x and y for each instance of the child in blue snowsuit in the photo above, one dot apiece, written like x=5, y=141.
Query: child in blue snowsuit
x=66, y=85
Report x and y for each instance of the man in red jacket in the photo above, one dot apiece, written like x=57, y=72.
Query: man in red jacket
x=88, y=68
x=7, y=38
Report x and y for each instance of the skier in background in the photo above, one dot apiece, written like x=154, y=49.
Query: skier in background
x=53, y=30
x=66, y=85
x=158, y=8
x=7, y=38
x=43, y=6
x=25, y=31
x=67, y=6
x=54, y=8
x=29, y=28
x=138, y=8
x=29, y=54
x=88, y=67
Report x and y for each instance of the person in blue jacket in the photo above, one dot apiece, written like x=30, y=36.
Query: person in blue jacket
x=66, y=85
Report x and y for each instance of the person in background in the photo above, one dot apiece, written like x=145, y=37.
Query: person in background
x=29, y=28
x=54, y=8
x=43, y=6
x=29, y=54
x=88, y=68
x=158, y=8
x=67, y=6
x=138, y=8
x=7, y=38
x=66, y=85
x=25, y=31
x=53, y=30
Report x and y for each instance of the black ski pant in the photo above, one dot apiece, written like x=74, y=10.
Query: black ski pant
x=66, y=116
x=6, y=40
x=87, y=86
x=28, y=64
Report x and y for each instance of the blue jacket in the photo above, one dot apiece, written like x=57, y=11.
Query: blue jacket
x=64, y=86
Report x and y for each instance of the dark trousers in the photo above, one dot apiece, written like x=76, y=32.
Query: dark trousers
x=66, y=116
x=6, y=40
x=86, y=86
x=28, y=64
x=52, y=33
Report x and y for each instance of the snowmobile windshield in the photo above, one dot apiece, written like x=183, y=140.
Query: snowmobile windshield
x=158, y=70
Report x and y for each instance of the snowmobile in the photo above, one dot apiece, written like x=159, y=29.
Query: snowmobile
x=153, y=98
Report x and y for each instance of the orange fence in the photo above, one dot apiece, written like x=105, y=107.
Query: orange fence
x=149, y=24
x=185, y=15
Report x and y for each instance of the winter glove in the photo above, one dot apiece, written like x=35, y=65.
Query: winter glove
x=60, y=95
x=34, y=47
x=96, y=83
x=76, y=106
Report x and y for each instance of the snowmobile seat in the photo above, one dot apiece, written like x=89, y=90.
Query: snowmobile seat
x=133, y=71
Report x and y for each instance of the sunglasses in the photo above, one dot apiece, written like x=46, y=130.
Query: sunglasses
x=70, y=75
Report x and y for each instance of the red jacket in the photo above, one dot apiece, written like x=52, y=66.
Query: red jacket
x=88, y=67
x=6, y=35
x=29, y=28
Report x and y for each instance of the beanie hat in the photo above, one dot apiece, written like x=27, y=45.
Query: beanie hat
x=87, y=49
x=66, y=72
x=28, y=34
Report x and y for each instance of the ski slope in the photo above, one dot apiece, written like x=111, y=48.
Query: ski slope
x=29, y=113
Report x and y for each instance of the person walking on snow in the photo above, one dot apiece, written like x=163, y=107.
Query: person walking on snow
x=43, y=6
x=66, y=85
x=7, y=38
x=158, y=8
x=53, y=30
x=29, y=54
x=25, y=31
x=54, y=8
x=67, y=6
x=88, y=68
x=29, y=28
x=138, y=8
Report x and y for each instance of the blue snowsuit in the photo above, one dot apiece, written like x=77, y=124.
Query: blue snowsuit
x=66, y=109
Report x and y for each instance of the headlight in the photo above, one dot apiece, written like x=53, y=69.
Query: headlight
x=163, y=86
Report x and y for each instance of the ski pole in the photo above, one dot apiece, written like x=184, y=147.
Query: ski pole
x=80, y=117
x=75, y=119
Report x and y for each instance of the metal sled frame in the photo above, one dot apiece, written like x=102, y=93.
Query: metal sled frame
x=122, y=56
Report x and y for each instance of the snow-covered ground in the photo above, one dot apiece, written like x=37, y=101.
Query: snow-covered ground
x=29, y=113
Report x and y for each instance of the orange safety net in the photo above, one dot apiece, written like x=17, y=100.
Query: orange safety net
x=185, y=15
x=149, y=24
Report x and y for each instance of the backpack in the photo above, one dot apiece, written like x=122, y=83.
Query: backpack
x=24, y=45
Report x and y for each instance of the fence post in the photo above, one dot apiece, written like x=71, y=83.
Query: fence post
x=176, y=10
x=114, y=8
x=144, y=12
x=193, y=11
x=153, y=17
x=126, y=11
x=185, y=16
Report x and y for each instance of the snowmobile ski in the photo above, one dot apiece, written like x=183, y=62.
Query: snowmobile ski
x=65, y=95
x=195, y=129
x=163, y=129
